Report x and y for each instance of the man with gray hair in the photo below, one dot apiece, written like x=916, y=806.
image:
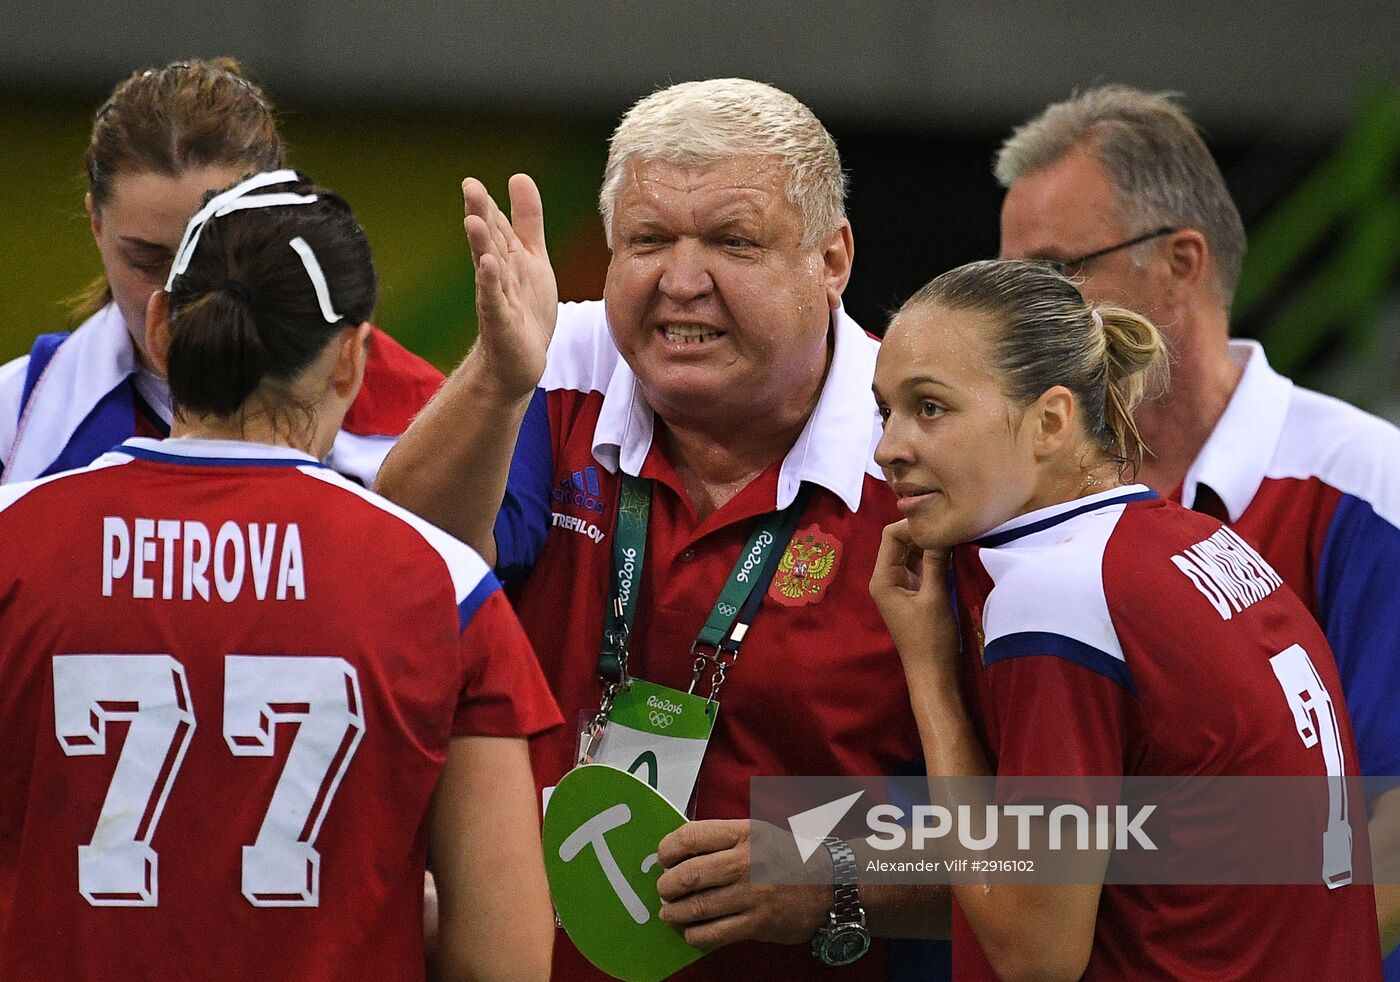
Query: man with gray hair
x=1116, y=187
x=683, y=471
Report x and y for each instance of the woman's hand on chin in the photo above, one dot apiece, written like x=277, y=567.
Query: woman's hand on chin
x=910, y=588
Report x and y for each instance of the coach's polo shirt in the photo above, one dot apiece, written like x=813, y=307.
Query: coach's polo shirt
x=818, y=688
x=1314, y=485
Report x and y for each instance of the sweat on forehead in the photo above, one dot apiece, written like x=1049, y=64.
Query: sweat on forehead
x=716, y=194
x=924, y=336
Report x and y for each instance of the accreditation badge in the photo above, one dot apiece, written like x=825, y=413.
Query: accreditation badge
x=659, y=735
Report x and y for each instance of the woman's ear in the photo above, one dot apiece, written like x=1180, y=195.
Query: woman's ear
x=158, y=330
x=352, y=354
x=1052, y=418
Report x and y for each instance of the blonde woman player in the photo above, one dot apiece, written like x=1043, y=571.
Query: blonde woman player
x=1100, y=637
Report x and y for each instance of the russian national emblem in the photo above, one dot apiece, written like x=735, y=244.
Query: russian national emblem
x=807, y=566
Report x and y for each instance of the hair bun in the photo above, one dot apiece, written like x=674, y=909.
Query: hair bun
x=1132, y=344
x=1134, y=359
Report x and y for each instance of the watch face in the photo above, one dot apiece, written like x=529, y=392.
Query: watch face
x=845, y=944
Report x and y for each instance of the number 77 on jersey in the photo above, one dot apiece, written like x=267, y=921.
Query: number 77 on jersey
x=118, y=867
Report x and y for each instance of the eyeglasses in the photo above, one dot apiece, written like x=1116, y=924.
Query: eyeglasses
x=1073, y=267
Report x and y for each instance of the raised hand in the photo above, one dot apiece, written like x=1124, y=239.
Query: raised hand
x=516, y=295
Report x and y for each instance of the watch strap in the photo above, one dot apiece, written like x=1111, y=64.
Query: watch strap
x=845, y=906
x=844, y=937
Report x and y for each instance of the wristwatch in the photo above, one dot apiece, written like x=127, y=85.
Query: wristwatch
x=844, y=937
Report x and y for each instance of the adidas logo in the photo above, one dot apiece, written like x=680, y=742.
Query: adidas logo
x=580, y=489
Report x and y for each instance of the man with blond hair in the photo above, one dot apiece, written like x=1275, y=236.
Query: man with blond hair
x=720, y=390
x=1116, y=186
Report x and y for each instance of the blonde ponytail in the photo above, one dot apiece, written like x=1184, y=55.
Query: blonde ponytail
x=1134, y=364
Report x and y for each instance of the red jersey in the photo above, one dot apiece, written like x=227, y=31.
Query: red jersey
x=1120, y=634
x=228, y=681
x=1314, y=485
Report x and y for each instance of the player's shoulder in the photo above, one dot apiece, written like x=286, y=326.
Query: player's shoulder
x=386, y=521
x=12, y=375
x=1176, y=573
x=1049, y=586
x=397, y=384
x=1091, y=562
x=1342, y=446
x=399, y=365
x=1069, y=567
x=70, y=484
x=1155, y=528
x=1144, y=576
x=582, y=356
x=1049, y=596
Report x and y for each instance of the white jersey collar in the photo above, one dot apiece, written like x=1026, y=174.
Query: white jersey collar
x=192, y=450
x=835, y=448
x=1051, y=515
x=1237, y=453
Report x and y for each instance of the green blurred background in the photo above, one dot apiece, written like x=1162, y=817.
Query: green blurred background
x=402, y=174
x=394, y=107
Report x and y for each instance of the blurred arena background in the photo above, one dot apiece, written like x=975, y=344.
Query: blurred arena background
x=394, y=104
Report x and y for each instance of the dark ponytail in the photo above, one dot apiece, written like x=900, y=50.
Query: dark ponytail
x=216, y=354
x=245, y=313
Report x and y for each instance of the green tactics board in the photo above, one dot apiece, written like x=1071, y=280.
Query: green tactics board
x=601, y=830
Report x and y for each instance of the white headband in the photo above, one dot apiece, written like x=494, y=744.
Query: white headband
x=240, y=197
x=1098, y=318
x=318, y=278
x=197, y=223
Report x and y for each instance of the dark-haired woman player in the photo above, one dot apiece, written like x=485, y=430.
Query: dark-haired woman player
x=242, y=699
x=161, y=141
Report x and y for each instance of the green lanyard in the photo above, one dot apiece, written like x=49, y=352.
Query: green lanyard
x=732, y=613
x=629, y=549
